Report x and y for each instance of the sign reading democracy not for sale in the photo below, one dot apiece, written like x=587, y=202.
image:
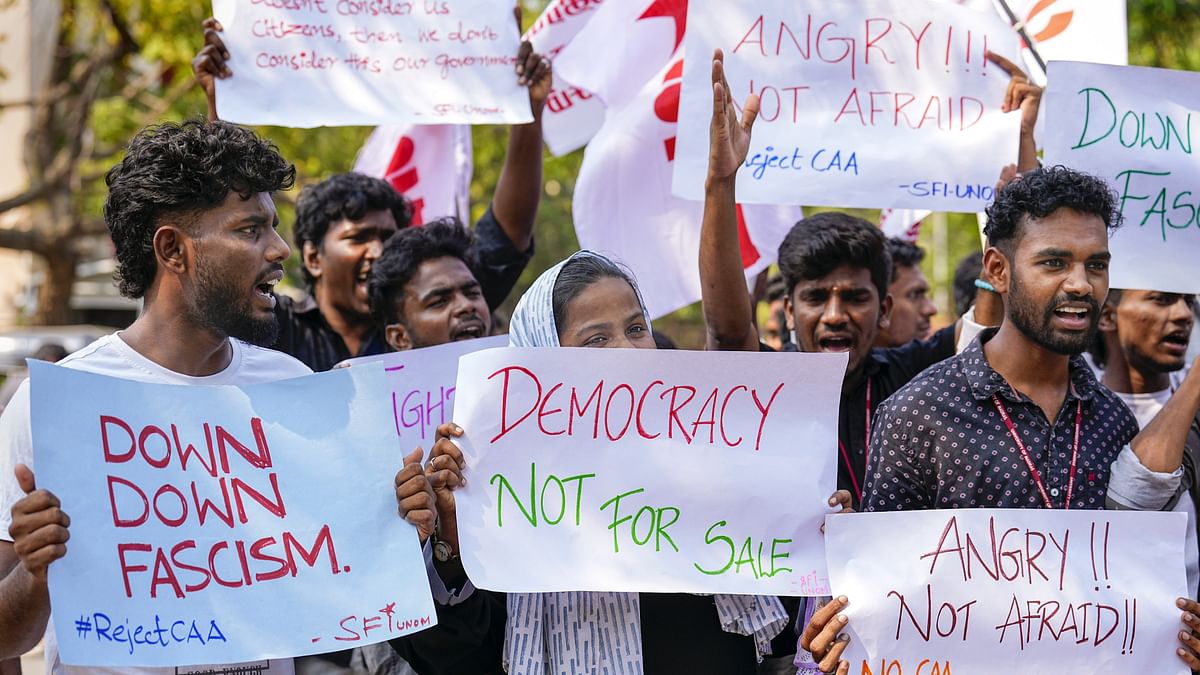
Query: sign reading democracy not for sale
x=650, y=471
x=978, y=591
x=221, y=524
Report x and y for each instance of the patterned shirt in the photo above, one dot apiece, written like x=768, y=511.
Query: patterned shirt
x=940, y=443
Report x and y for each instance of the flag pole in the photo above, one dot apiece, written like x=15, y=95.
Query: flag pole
x=1019, y=26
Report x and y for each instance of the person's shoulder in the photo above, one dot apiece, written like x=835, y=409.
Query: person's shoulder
x=939, y=378
x=100, y=356
x=260, y=364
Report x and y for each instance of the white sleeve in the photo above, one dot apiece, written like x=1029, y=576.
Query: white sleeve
x=967, y=331
x=16, y=447
x=1132, y=486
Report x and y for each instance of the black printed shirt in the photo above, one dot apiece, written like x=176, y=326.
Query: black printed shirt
x=940, y=443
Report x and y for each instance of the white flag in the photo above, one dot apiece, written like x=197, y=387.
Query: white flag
x=572, y=115
x=623, y=46
x=902, y=223
x=623, y=204
x=429, y=164
x=1074, y=30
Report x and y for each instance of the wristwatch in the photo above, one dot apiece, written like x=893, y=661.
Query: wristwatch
x=442, y=551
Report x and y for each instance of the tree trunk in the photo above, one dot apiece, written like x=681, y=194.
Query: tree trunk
x=54, y=294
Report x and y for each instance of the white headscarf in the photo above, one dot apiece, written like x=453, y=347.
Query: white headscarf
x=594, y=632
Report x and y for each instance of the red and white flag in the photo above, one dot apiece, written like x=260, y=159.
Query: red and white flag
x=623, y=204
x=572, y=115
x=429, y=164
x=902, y=223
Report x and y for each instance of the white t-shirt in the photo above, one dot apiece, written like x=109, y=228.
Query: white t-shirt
x=1128, y=468
x=110, y=355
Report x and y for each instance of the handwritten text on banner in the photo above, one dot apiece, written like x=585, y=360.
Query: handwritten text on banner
x=224, y=524
x=857, y=98
x=1134, y=127
x=340, y=62
x=422, y=386
x=638, y=470
x=1038, y=591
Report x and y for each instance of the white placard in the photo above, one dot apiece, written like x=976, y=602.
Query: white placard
x=309, y=63
x=220, y=524
x=865, y=103
x=641, y=470
x=422, y=383
x=976, y=591
x=1134, y=127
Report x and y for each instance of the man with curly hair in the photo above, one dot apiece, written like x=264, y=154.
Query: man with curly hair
x=424, y=288
x=1025, y=383
x=192, y=219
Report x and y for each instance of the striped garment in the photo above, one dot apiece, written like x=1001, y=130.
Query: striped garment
x=591, y=632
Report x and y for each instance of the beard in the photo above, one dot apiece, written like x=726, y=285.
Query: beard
x=1035, y=322
x=221, y=305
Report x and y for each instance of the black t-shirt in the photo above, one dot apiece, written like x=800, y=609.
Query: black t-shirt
x=305, y=335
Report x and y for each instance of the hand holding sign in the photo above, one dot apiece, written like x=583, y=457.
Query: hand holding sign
x=1025, y=96
x=822, y=638
x=39, y=527
x=414, y=496
x=1190, y=651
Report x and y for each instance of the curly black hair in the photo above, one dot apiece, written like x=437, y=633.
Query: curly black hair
x=179, y=170
x=821, y=243
x=344, y=196
x=904, y=254
x=1043, y=191
x=404, y=252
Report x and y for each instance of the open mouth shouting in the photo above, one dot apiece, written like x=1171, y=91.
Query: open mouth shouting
x=1074, y=316
x=264, y=290
x=1176, y=342
x=468, y=329
x=835, y=342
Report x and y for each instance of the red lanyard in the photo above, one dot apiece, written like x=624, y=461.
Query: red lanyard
x=1037, y=477
x=866, y=450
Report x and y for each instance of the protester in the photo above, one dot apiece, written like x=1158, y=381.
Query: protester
x=192, y=221
x=424, y=293
x=589, y=301
x=341, y=225
x=1025, y=381
x=424, y=290
x=911, y=307
x=1141, y=347
x=836, y=270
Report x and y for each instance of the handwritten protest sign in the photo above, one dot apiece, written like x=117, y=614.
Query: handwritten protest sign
x=422, y=385
x=1133, y=127
x=1009, y=590
x=307, y=63
x=224, y=524
x=637, y=470
x=869, y=103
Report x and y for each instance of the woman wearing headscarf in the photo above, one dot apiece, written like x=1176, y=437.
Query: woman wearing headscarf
x=590, y=301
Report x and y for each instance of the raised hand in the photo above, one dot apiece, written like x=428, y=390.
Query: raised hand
x=210, y=63
x=729, y=138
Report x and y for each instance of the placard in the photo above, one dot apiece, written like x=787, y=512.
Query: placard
x=643, y=470
x=976, y=591
x=309, y=63
x=865, y=103
x=422, y=384
x=1134, y=128
x=220, y=524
